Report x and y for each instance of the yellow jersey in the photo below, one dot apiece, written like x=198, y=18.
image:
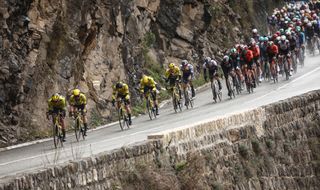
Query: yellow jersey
x=173, y=73
x=120, y=92
x=150, y=84
x=82, y=100
x=60, y=104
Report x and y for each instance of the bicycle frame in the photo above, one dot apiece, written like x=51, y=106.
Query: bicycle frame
x=57, y=130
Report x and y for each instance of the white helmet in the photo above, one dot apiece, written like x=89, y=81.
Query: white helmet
x=255, y=31
x=207, y=59
x=283, y=38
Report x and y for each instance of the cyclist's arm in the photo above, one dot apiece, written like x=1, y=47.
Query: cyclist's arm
x=126, y=89
x=142, y=87
x=50, y=106
x=83, y=99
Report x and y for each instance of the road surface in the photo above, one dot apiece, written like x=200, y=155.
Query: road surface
x=41, y=155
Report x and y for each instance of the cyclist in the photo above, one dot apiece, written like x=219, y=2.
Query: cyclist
x=227, y=67
x=212, y=67
x=121, y=91
x=173, y=75
x=284, y=49
x=79, y=101
x=235, y=58
x=301, y=39
x=246, y=58
x=255, y=34
x=187, y=75
x=256, y=55
x=57, y=104
x=148, y=84
x=309, y=31
x=272, y=53
x=293, y=44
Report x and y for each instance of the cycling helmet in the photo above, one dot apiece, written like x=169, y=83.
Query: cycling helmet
x=261, y=38
x=145, y=79
x=207, y=59
x=278, y=38
x=281, y=31
x=298, y=28
x=233, y=50
x=171, y=65
x=226, y=58
x=119, y=85
x=270, y=43
x=288, y=33
x=76, y=92
x=283, y=38
x=255, y=31
x=252, y=41
x=55, y=97
x=184, y=62
x=309, y=24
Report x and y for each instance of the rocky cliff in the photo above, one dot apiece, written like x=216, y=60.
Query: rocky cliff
x=53, y=46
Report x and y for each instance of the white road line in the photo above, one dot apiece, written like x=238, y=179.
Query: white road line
x=66, y=150
x=285, y=85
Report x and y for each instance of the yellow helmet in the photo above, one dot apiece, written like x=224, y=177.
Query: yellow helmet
x=76, y=92
x=145, y=79
x=171, y=65
x=55, y=97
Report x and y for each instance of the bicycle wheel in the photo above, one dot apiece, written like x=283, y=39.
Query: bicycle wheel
x=231, y=86
x=55, y=136
x=186, y=98
x=60, y=136
x=81, y=129
x=218, y=93
x=190, y=99
x=286, y=69
x=120, y=118
x=125, y=120
x=149, y=108
x=213, y=90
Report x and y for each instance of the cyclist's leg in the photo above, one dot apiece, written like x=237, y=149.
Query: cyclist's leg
x=128, y=108
x=84, y=118
x=62, y=116
x=193, y=92
x=226, y=77
x=154, y=98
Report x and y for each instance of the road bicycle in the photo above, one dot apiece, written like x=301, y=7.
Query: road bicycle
x=216, y=93
x=57, y=130
x=274, y=69
x=187, y=94
x=79, y=130
x=176, y=100
x=248, y=78
x=301, y=57
x=150, y=106
x=284, y=65
x=232, y=84
x=123, y=117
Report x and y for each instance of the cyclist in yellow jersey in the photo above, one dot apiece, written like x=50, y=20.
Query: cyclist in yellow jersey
x=148, y=84
x=121, y=91
x=57, y=104
x=79, y=101
x=173, y=75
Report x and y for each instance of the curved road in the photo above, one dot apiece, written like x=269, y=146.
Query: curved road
x=41, y=155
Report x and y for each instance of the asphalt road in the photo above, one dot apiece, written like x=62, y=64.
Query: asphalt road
x=42, y=155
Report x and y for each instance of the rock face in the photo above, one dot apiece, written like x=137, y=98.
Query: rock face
x=54, y=46
x=271, y=147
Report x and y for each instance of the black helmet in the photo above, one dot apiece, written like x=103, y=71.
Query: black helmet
x=119, y=85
